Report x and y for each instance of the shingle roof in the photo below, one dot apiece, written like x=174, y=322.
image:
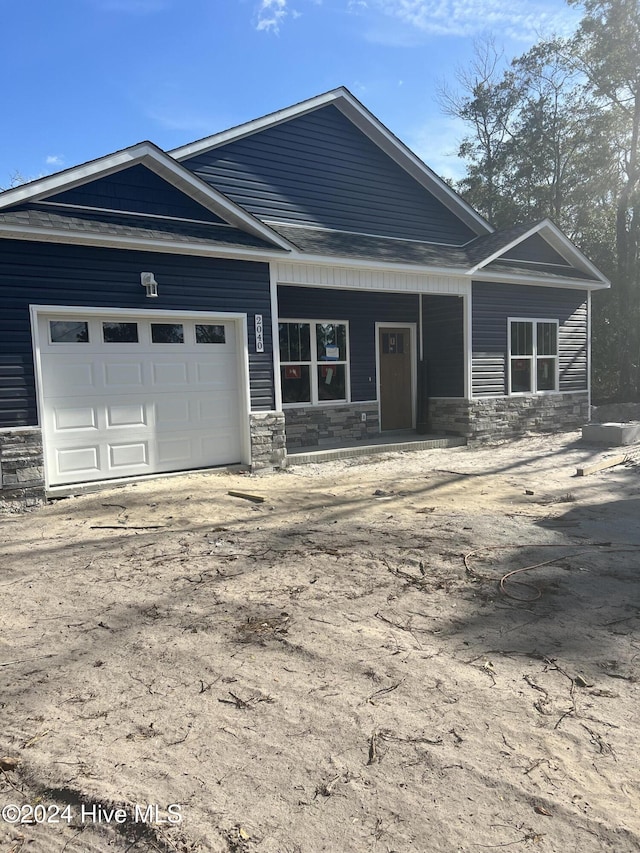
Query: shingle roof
x=484, y=247
x=342, y=244
x=317, y=241
x=310, y=241
x=557, y=273
x=134, y=226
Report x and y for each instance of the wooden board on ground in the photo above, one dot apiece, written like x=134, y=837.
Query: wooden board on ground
x=609, y=462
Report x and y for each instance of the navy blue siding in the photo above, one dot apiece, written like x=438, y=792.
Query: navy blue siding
x=361, y=310
x=49, y=274
x=493, y=304
x=443, y=330
x=536, y=249
x=136, y=190
x=319, y=169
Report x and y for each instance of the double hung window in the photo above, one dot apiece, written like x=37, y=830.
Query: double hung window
x=314, y=362
x=533, y=356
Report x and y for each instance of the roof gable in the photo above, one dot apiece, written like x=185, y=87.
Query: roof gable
x=332, y=138
x=136, y=189
x=536, y=249
x=98, y=179
x=529, y=249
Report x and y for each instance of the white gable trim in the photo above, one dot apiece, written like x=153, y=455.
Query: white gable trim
x=146, y=154
x=531, y=279
x=365, y=121
x=558, y=241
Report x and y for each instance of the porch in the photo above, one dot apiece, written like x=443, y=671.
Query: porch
x=387, y=442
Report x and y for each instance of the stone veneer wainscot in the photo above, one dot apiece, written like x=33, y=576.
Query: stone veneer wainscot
x=319, y=426
x=21, y=468
x=508, y=417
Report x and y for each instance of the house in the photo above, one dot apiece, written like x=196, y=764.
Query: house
x=297, y=278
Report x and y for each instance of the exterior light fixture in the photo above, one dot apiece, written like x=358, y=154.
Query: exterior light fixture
x=149, y=283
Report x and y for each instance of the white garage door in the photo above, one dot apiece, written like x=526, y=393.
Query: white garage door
x=123, y=396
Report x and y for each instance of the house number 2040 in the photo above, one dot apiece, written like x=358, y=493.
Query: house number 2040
x=259, y=333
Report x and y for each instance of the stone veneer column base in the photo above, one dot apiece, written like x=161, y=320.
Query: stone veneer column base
x=319, y=426
x=21, y=469
x=268, y=443
x=488, y=419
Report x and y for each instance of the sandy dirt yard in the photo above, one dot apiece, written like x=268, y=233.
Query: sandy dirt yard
x=335, y=669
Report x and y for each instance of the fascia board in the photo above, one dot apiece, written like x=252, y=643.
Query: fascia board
x=76, y=175
x=208, y=143
x=365, y=121
x=149, y=155
x=569, y=284
x=53, y=235
x=559, y=241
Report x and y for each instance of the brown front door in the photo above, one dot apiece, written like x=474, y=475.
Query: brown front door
x=396, y=400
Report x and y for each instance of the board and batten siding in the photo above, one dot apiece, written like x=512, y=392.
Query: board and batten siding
x=53, y=274
x=494, y=304
x=320, y=169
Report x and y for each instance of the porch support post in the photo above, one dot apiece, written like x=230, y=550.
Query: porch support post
x=422, y=401
x=468, y=342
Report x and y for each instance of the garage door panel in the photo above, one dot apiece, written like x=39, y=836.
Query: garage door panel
x=61, y=372
x=218, y=412
x=130, y=454
x=114, y=409
x=78, y=460
x=214, y=374
x=75, y=417
x=172, y=410
x=175, y=451
x=126, y=414
x=166, y=374
x=121, y=375
x=219, y=447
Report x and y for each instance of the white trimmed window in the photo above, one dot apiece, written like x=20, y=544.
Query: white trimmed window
x=314, y=362
x=533, y=356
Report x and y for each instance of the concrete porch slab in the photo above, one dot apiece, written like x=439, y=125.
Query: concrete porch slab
x=384, y=444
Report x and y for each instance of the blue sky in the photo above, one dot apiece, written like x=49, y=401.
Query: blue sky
x=82, y=78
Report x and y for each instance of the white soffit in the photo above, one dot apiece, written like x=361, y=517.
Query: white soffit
x=359, y=278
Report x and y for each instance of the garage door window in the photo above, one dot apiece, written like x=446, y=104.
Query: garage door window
x=208, y=334
x=120, y=333
x=167, y=333
x=69, y=331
